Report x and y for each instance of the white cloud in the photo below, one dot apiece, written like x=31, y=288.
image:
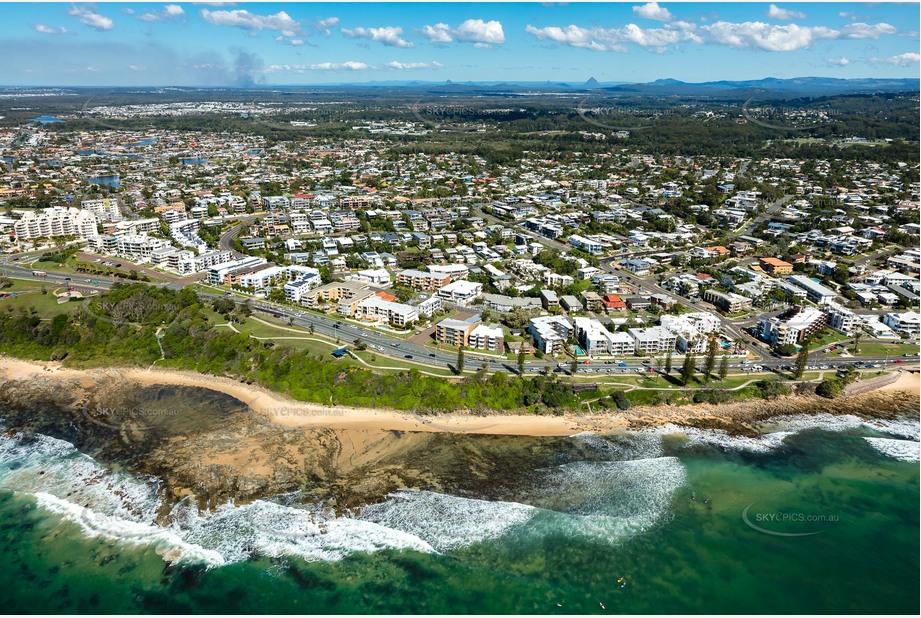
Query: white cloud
x=49, y=30
x=241, y=18
x=388, y=35
x=775, y=12
x=480, y=33
x=439, y=33
x=837, y=62
x=325, y=25
x=652, y=10
x=742, y=35
x=861, y=30
x=170, y=11
x=408, y=66
x=571, y=35
x=322, y=66
x=614, y=39
x=759, y=35
x=902, y=60
x=91, y=18
x=136, y=69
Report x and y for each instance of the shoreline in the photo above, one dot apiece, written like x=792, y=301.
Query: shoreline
x=287, y=412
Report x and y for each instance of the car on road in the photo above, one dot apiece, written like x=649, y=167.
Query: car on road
x=86, y=280
x=66, y=278
x=432, y=355
x=621, y=364
x=407, y=356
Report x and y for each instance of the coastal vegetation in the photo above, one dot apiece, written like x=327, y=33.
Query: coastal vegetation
x=128, y=325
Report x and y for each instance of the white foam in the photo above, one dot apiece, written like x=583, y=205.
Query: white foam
x=633, y=445
x=607, y=501
x=270, y=529
x=95, y=525
x=720, y=439
x=903, y=450
x=446, y=522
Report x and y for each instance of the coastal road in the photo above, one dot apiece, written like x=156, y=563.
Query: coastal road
x=347, y=332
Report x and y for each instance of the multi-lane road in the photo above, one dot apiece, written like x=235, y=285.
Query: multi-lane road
x=348, y=332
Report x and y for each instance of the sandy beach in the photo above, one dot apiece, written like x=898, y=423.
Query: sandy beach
x=288, y=412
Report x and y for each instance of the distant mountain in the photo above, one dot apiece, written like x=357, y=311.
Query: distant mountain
x=789, y=87
x=591, y=83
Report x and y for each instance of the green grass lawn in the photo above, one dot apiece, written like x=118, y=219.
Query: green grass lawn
x=879, y=349
x=29, y=296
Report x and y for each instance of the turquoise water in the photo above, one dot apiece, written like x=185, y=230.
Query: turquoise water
x=109, y=181
x=662, y=512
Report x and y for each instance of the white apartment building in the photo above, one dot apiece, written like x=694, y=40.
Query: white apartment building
x=217, y=272
x=841, y=318
x=374, y=276
x=692, y=330
x=461, y=292
x=429, y=306
x=55, y=222
x=906, y=324
x=486, y=337
x=191, y=264
x=376, y=308
x=653, y=340
x=595, y=339
x=297, y=288
x=550, y=333
x=185, y=233
x=105, y=209
x=139, y=247
x=792, y=328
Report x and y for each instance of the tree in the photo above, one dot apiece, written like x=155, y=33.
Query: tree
x=857, y=337
x=521, y=360
x=802, y=360
x=619, y=399
x=829, y=388
x=724, y=366
x=668, y=363
x=460, y=360
x=687, y=370
x=574, y=366
x=710, y=363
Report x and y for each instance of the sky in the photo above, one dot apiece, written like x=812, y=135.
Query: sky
x=272, y=43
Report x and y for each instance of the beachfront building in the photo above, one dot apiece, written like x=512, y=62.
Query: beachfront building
x=653, y=340
x=550, y=333
x=55, y=222
x=841, y=318
x=296, y=289
x=692, y=330
x=792, y=327
x=378, y=308
x=595, y=339
x=470, y=333
x=907, y=324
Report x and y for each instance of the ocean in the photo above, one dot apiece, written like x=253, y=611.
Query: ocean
x=817, y=515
